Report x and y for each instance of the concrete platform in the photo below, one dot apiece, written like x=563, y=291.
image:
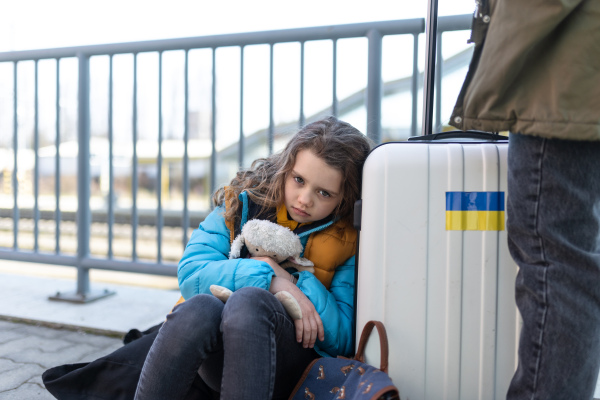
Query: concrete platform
x=25, y=297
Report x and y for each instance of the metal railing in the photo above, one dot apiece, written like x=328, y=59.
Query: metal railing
x=82, y=260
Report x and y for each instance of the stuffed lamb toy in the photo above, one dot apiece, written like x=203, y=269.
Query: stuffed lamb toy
x=264, y=238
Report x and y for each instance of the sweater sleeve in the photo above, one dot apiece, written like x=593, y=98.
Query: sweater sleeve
x=206, y=261
x=335, y=307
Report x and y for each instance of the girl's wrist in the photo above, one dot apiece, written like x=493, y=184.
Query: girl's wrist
x=282, y=283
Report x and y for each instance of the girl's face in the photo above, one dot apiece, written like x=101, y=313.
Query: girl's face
x=312, y=188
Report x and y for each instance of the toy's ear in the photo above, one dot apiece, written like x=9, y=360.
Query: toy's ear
x=236, y=246
x=305, y=262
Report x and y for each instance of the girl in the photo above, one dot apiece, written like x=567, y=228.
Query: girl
x=249, y=347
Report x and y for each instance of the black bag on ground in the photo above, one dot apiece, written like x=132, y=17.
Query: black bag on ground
x=112, y=377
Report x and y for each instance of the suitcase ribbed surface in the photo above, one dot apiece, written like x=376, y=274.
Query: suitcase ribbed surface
x=444, y=293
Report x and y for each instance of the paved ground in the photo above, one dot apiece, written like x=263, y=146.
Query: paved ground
x=27, y=350
x=37, y=333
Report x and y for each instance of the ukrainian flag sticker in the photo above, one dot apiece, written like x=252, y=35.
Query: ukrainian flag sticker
x=474, y=211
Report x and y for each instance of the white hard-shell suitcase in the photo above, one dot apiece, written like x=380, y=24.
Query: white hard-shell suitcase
x=434, y=267
x=433, y=260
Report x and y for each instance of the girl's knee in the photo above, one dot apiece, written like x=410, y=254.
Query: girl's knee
x=197, y=311
x=247, y=304
x=251, y=297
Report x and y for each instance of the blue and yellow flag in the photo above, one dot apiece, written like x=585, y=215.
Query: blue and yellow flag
x=474, y=211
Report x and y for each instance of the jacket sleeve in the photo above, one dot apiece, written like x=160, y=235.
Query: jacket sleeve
x=335, y=307
x=206, y=261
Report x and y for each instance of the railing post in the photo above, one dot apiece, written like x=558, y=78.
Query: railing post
x=374, y=86
x=334, y=99
x=15, y=180
x=414, y=88
x=83, y=294
x=213, y=128
x=271, y=137
x=186, y=139
x=302, y=118
x=83, y=175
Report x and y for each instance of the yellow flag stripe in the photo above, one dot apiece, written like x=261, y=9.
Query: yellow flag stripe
x=474, y=220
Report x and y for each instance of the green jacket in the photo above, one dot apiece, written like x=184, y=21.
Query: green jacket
x=535, y=69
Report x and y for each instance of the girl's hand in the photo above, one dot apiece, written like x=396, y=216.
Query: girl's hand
x=310, y=327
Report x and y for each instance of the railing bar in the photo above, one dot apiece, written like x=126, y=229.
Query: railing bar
x=134, y=162
x=186, y=212
x=392, y=27
x=334, y=103
x=89, y=262
x=36, y=167
x=83, y=174
x=135, y=266
x=438, y=83
x=40, y=258
x=83, y=265
x=213, y=128
x=414, y=85
x=15, y=181
x=241, y=141
x=57, y=162
x=271, y=117
x=159, y=184
x=374, y=86
x=111, y=177
x=302, y=118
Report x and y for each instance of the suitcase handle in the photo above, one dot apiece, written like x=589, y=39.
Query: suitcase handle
x=481, y=135
x=383, y=344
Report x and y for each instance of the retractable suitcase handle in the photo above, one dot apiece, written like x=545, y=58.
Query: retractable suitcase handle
x=428, y=88
x=429, y=72
x=480, y=135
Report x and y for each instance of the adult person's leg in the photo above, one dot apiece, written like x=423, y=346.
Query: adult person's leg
x=554, y=237
x=262, y=358
x=190, y=335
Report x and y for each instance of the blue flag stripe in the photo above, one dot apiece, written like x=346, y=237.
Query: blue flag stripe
x=474, y=201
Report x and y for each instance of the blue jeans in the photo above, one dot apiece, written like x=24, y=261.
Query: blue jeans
x=244, y=349
x=554, y=236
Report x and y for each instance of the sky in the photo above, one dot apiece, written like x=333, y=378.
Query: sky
x=36, y=24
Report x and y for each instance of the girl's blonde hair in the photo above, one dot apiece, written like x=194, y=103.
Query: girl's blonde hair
x=337, y=143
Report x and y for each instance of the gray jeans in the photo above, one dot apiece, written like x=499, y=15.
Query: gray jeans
x=554, y=236
x=244, y=349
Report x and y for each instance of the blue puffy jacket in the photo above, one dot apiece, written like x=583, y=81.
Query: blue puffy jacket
x=205, y=262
